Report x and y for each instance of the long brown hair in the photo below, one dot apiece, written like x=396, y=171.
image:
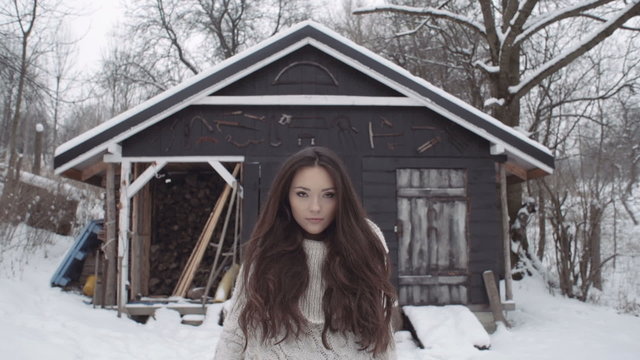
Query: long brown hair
x=358, y=296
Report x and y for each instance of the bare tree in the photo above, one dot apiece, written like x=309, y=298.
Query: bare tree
x=510, y=31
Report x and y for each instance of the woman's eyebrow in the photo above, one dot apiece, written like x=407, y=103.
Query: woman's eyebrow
x=302, y=187
x=329, y=189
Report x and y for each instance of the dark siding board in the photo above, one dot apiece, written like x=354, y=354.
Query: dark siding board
x=186, y=134
x=251, y=199
x=308, y=79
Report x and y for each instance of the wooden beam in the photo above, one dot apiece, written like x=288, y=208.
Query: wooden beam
x=536, y=173
x=516, y=170
x=431, y=280
x=223, y=172
x=73, y=174
x=93, y=170
x=176, y=159
x=309, y=100
x=506, y=238
x=144, y=178
x=432, y=192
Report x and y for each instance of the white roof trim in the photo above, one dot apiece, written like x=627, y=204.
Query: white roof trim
x=413, y=98
x=309, y=100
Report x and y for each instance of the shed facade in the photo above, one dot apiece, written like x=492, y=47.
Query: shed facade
x=426, y=165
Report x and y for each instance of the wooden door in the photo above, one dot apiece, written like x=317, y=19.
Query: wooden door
x=432, y=249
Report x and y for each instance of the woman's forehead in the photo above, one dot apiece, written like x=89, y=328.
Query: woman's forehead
x=312, y=177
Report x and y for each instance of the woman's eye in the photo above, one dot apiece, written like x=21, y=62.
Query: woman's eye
x=301, y=194
x=330, y=195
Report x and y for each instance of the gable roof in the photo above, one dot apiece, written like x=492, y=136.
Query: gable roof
x=88, y=148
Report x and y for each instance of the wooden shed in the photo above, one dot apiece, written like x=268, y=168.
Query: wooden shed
x=427, y=165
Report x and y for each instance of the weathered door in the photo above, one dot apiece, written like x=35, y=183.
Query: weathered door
x=432, y=248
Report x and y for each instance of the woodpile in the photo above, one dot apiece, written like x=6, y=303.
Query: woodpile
x=182, y=205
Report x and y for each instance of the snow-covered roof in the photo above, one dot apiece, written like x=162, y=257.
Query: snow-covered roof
x=89, y=147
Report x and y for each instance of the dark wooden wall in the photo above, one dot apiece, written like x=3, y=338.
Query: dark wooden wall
x=416, y=138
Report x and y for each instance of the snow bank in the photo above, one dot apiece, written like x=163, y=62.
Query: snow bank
x=450, y=330
x=43, y=322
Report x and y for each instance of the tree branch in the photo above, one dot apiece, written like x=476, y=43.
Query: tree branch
x=553, y=17
x=427, y=11
x=173, y=37
x=572, y=53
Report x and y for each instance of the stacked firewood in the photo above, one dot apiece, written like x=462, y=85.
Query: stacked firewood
x=182, y=205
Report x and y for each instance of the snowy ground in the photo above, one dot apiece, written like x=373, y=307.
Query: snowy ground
x=43, y=322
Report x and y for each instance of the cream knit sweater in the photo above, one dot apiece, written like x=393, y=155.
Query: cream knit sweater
x=306, y=347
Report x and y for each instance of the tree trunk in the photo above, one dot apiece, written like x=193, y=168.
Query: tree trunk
x=542, y=225
x=595, y=220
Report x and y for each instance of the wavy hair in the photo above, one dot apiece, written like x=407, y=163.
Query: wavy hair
x=358, y=296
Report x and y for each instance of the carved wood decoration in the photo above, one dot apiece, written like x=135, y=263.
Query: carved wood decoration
x=322, y=77
x=432, y=250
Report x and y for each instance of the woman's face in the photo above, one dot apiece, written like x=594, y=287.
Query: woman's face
x=313, y=199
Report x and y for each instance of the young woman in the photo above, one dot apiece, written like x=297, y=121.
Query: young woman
x=315, y=278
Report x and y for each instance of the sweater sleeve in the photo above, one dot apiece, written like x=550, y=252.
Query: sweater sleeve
x=231, y=343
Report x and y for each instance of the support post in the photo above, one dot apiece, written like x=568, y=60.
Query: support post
x=508, y=281
x=123, y=235
x=110, y=248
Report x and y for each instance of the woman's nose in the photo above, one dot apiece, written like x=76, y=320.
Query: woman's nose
x=315, y=204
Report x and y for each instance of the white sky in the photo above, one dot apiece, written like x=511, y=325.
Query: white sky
x=92, y=25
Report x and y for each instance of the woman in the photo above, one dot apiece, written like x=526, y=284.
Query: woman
x=315, y=281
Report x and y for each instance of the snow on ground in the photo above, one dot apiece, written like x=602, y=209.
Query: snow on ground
x=43, y=322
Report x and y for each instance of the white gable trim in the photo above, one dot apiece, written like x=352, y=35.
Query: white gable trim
x=309, y=100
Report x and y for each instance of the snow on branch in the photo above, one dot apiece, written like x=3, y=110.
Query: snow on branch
x=426, y=11
x=540, y=22
x=493, y=102
x=571, y=53
x=491, y=69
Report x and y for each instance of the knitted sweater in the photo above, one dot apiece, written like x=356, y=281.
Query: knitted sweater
x=307, y=346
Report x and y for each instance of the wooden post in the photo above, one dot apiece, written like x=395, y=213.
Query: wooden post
x=110, y=248
x=140, y=239
x=123, y=235
x=37, y=149
x=494, y=297
x=506, y=238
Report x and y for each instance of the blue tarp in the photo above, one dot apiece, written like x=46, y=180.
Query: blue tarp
x=71, y=265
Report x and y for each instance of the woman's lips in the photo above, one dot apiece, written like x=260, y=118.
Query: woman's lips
x=315, y=220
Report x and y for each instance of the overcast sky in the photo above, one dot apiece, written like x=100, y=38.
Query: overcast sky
x=95, y=20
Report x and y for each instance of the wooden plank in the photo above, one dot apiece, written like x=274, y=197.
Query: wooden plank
x=419, y=244
x=494, y=297
x=404, y=238
x=188, y=273
x=433, y=192
x=432, y=280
